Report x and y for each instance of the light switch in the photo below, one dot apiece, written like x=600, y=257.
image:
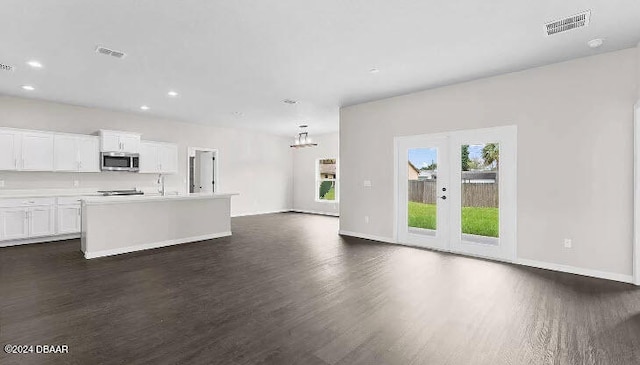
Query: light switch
x=367, y=183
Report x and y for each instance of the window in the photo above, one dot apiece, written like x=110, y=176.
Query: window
x=327, y=180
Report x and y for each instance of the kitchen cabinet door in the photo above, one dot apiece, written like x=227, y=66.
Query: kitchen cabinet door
x=65, y=153
x=37, y=151
x=69, y=219
x=149, y=159
x=15, y=223
x=41, y=221
x=88, y=154
x=110, y=142
x=168, y=157
x=9, y=149
x=130, y=143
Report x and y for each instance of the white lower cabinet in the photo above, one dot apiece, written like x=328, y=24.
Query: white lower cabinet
x=69, y=219
x=15, y=223
x=41, y=221
x=27, y=218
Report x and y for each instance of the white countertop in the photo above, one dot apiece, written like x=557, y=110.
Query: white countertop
x=96, y=200
x=46, y=193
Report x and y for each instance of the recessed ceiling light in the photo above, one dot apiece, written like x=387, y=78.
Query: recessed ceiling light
x=28, y=87
x=172, y=93
x=34, y=64
x=289, y=101
x=144, y=107
x=374, y=70
x=595, y=43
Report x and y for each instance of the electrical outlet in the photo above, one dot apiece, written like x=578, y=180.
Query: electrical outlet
x=76, y=183
x=567, y=243
x=1, y=183
x=366, y=219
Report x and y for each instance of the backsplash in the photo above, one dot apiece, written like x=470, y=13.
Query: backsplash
x=86, y=181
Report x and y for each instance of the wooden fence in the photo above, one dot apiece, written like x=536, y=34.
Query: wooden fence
x=473, y=194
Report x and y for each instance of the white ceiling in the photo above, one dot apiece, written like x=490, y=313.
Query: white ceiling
x=248, y=55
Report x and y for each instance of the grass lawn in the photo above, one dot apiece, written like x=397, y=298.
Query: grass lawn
x=475, y=220
x=330, y=195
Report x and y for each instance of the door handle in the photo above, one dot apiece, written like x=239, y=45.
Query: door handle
x=444, y=197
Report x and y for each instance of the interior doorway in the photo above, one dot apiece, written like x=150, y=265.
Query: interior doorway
x=456, y=191
x=203, y=170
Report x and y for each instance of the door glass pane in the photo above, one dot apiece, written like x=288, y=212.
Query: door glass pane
x=326, y=179
x=422, y=173
x=480, y=210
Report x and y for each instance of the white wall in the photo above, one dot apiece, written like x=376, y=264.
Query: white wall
x=575, y=154
x=258, y=166
x=304, y=160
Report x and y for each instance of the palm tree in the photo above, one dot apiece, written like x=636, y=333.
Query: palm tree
x=491, y=154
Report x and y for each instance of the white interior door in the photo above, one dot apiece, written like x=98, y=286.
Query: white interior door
x=423, y=186
x=457, y=191
x=206, y=172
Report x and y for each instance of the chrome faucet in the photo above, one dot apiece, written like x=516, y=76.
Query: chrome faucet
x=161, y=188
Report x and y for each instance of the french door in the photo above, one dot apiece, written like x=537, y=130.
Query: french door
x=457, y=191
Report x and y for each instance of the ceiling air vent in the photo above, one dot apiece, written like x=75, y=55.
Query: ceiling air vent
x=566, y=24
x=4, y=67
x=110, y=52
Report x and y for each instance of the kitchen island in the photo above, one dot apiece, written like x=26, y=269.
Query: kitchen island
x=122, y=224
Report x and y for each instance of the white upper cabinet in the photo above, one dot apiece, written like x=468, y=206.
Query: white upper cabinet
x=88, y=153
x=114, y=141
x=149, y=157
x=65, y=153
x=25, y=150
x=37, y=151
x=168, y=158
x=76, y=153
x=110, y=142
x=9, y=149
x=158, y=157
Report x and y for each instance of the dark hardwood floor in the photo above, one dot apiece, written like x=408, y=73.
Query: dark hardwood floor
x=286, y=289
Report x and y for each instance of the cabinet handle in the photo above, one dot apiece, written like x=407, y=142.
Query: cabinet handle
x=15, y=161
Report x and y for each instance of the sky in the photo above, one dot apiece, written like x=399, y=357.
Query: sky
x=421, y=157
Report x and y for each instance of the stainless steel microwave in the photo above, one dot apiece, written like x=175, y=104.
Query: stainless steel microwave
x=119, y=161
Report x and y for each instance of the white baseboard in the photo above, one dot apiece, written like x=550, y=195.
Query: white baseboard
x=532, y=263
x=367, y=236
x=260, y=213
x=26, y=241
x=148, y=246
x=315, y=212
x=577, y=270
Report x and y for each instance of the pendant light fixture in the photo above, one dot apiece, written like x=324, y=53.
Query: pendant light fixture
x=303, y=139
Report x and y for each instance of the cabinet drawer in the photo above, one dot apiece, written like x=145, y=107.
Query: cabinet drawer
x=20, y=202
